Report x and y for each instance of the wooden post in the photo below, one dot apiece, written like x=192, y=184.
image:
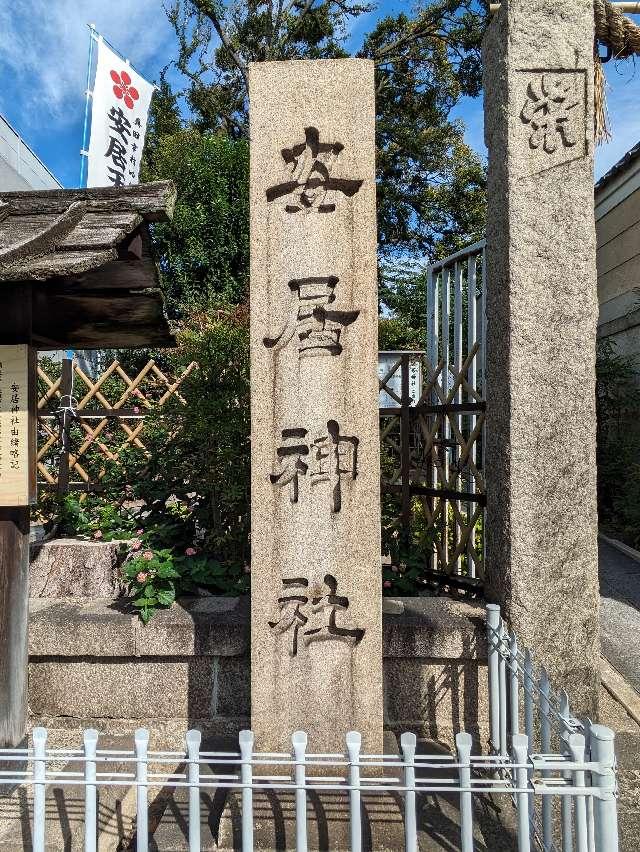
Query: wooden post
x=405, y=448
x=66, y=389
x=16, y=313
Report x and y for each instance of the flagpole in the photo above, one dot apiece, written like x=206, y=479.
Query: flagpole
x=99, y=37
x=84, y=153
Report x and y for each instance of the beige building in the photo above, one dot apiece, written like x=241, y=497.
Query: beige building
x=617, y=199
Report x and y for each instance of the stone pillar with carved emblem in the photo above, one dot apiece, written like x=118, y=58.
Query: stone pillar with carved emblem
x=316, y=579
x=542, y=311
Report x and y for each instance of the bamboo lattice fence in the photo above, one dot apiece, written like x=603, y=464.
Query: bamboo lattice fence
x=432, y=446
x=106, y=415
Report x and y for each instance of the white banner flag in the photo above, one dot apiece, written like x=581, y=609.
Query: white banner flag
x=121, y=100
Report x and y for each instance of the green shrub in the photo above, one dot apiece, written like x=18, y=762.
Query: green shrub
x=204, y=250
x=618, y=409
x=183, y=507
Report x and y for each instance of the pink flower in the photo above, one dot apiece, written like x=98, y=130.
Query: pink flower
x=139, y=532
x=148, y=555
x=247, y=569
x=141, y=577
x=387, y=584
x=136, y=544
x=97, y=534
x=136, y=410
x=190, y=551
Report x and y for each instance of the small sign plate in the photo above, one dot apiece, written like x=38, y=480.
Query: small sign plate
x=17, y=437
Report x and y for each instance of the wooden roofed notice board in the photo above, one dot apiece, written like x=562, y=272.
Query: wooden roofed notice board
x=17, y=426
x=76, y=271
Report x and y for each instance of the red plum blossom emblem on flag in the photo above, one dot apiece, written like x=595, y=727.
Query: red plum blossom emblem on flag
x=123, y=90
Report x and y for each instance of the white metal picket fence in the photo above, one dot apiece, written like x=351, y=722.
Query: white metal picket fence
x=565, y=797
x=522, y=700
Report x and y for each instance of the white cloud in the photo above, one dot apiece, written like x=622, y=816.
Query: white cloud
x=623, y=95
x=44, y=49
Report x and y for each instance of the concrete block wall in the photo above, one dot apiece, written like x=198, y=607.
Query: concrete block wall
x=94, y=663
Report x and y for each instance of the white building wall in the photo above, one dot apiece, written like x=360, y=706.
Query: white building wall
x=20, y=169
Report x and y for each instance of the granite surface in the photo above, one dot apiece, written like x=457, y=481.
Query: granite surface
x=541, y=333
x=70, y=567
x=315, y=456
x=94, y=664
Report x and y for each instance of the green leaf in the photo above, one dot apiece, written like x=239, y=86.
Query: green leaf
x=145, y=602
x=167, y=572
x=214, y=569
x=166, y=597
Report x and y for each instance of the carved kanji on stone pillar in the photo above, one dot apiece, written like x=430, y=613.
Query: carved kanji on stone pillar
x=316, y=585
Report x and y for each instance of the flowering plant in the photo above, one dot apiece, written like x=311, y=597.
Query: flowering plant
x=151, y=577
x=156, y=575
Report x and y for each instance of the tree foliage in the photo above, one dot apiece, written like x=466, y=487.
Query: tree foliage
x=204, y=250
x=618, y=457
x=200, y=453
x=218, y=40
x=194, y=487
x=430, y=183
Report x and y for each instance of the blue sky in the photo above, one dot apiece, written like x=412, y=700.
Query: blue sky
x=43, y=61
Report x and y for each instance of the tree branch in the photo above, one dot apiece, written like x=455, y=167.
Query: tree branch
x=301, y=16
x=275, y=28
x=207, y=9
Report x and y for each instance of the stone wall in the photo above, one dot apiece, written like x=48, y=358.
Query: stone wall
x=92, y=663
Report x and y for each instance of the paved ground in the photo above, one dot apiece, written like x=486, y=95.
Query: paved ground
x=620, y=612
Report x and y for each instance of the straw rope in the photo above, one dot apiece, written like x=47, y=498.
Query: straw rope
x=615, y=30
x=621, y=36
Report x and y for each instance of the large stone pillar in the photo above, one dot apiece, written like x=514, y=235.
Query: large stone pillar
x=542, y=312
x=316, y=648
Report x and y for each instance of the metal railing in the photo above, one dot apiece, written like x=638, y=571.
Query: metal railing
x=568, y=795
x=521, y=699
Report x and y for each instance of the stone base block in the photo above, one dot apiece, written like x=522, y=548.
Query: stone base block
x=437, y=698
x=93, y=664
x=72, y=568
x=328, y=822
x=275, y=825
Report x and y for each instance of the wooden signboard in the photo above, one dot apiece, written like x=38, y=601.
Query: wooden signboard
x=17, y=426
